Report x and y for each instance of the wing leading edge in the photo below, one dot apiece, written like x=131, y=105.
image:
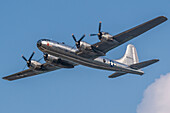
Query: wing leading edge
x=125, y=36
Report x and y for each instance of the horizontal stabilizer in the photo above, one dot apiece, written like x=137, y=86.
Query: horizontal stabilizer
x=135, y=66
x=144, y=64
x=116, y=74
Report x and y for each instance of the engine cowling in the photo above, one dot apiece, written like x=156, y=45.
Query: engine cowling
x=56, y=61
x=84, y=45
x=35, y=65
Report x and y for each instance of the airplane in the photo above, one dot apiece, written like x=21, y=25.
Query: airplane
x=58, y=55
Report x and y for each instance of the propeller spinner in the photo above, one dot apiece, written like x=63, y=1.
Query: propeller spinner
x=29, y=60
x=99, y=34
x=45, y=56
x=78, y=42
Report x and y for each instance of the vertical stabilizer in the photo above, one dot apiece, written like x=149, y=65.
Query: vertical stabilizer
x=130, y=57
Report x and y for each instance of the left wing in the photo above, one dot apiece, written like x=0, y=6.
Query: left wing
x=105, y=46
x=30, y=72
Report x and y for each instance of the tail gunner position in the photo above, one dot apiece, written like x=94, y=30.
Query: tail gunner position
x=58, y=55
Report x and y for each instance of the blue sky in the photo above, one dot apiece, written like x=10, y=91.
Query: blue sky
x=82, y=89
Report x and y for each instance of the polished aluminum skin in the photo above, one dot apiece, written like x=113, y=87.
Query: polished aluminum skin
x=66, y=52
x=58, y=55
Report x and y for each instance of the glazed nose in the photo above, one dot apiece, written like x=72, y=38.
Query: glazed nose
x=39, y=43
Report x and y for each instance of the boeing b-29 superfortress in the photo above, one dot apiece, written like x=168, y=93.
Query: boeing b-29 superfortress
x=58, y=55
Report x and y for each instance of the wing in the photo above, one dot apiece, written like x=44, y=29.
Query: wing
x=105, y=46
x=30, y=72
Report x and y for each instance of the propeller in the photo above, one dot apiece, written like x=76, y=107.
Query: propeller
x=78, y=42
x=40, y=59
x=99, y=34
x=45, y=56
x=29, y=60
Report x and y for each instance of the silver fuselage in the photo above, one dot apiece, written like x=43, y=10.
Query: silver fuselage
x=68, y=53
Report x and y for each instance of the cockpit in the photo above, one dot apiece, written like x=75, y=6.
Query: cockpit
x=39, y=42
x=45, y=40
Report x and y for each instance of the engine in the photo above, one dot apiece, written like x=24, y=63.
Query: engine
x=106, y=36
x=34, y=65
x=56, y=61
x=84, y=45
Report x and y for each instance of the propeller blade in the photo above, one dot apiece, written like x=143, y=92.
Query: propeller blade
x=74, y=38
x=93, y=34
x=81, y=38
x=40, y=59
x=73, y=46
x=45, y=56
x=24, y=58
x=24, y=67
x=31, y=56
x=99, y=34
x=100, y=23
x=77, y=43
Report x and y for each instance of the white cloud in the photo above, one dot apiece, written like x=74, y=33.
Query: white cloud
x=156, y=97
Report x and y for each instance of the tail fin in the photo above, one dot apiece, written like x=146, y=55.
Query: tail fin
x=130, y=56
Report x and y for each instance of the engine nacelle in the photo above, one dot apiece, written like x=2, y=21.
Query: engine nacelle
x=35, y=65
x=84, y=45
x=106, y=37
x=56, y=61
x=49, y=58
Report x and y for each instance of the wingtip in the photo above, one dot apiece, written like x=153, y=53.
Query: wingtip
x=5, y=78
x=157, y=60
x=163, y=17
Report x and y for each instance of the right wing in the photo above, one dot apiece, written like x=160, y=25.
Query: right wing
x=105, y=46
x=30, y=72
